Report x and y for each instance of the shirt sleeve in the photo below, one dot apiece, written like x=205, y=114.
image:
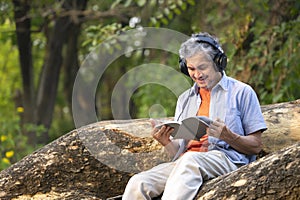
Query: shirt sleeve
x=251, y=114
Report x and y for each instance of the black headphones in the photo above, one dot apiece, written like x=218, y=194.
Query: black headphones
x=220, y=58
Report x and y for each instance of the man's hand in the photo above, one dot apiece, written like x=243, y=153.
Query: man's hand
x=162, y=135
x=219, y=130
x=250, y=144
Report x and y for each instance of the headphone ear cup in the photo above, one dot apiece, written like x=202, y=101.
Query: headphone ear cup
x=221, y=61
x=183, y=67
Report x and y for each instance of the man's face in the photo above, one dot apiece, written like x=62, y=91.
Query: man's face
x=202, y=71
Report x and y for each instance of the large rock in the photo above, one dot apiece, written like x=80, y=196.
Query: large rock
x=276, y=176
x=96, y=161
x=81, y=164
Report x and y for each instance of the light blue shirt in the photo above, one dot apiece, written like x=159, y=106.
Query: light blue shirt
x=233, y=102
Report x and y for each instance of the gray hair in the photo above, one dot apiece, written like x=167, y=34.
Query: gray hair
x=192, y=47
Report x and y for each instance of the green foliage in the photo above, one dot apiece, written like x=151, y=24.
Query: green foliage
x=157, y=98
x=11, y=138
x=167, y=11
x=96, y=34
x=275, y=63
x=13, y=143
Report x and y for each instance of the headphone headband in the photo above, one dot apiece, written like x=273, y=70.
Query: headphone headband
x=208, y=40
x=220, y=59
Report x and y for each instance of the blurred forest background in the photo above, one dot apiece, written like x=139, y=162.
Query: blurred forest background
x=43, y=43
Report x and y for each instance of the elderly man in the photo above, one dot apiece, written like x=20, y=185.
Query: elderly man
x=232, y=140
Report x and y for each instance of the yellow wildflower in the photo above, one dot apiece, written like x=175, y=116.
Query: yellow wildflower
x=9, y=154
x=3, y=138
x=5, y=160
x=20, y=109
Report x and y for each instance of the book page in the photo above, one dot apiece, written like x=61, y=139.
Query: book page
x=193, y=128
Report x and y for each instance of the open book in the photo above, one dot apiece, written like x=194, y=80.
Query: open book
x=192, y=128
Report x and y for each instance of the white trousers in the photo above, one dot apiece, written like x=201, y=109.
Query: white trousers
x=180, y=179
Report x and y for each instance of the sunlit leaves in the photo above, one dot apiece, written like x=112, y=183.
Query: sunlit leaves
x=94, y=35
x=168, y=9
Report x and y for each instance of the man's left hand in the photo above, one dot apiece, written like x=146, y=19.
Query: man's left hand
x=218, y=129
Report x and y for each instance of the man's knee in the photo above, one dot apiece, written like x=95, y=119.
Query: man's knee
x=133, y=188
x=135, y=181
x=140, y=186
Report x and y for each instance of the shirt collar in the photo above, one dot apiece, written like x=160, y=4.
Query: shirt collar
x=223, y=83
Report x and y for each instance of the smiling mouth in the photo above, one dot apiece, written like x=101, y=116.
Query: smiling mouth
x=202, y=80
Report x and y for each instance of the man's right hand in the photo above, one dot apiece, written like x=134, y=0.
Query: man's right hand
x=162, y=135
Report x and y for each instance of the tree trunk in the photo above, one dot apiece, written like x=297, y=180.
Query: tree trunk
x=97, y=160
x=23, y=25
x=38, y=108
x=50, y=74
x=71, y=64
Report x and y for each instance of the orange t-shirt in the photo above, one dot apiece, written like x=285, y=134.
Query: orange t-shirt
x=202, y=145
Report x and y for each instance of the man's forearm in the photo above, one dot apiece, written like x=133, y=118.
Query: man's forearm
x=250, y=144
